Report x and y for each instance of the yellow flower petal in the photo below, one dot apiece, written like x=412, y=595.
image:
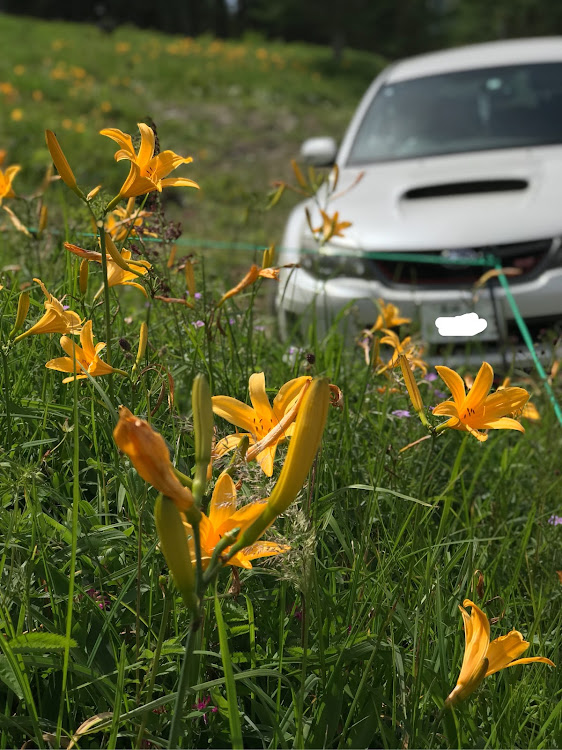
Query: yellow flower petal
x=454, y=383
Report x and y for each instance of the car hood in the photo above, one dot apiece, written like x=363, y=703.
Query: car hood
x=461, y=200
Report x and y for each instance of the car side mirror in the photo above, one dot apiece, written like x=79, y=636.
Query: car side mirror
x=319, y=152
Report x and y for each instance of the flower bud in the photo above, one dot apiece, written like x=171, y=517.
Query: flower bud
x=23, y=308
x=150, y=456
x=83, y=278
x=143, y=340
x=60, y=162
x=309, y=427
x=175, y=548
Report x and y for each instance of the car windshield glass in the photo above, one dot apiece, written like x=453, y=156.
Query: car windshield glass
x=472, y=110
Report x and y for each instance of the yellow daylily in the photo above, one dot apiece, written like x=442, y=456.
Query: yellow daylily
x=262, y=419
x=482, y=658
x=150, y=456
x=86, y=356
x=116, y=274
x=331, y=227
x=148, y=172
x=388, y=317
x=255, y=273
x=480, y=410
x=406, y=347
x=224, y=517
x=6, y=178
x=55, y=320
x=123, y=221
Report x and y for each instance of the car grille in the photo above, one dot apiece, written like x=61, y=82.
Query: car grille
x=531, y=258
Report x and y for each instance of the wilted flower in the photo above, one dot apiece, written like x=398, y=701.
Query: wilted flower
x=150, y=456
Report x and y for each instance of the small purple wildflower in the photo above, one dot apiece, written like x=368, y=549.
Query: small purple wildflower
x=197, y=295
x=555, y=520
x=231, y=321
x=401, y=413
x=198, y=323
x=259, y=328
x=430, y=377
x=66, y=307
x=440, y=394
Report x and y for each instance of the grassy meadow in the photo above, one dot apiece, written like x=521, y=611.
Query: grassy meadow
x=351, y=638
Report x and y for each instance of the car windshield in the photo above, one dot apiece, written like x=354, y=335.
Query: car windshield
x=472, y=110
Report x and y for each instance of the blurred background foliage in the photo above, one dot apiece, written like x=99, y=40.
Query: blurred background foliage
x=392, y=28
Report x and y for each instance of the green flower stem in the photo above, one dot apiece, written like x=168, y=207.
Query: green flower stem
x=8, y=396
x=154, y=669
x=184, y=479
x=216, y=561
x=73, y=555
x=107, y=311
x=186, y=679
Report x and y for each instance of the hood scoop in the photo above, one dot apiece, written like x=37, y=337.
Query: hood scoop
x=468, y=187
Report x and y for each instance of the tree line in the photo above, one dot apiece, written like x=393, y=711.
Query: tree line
x=393, y=28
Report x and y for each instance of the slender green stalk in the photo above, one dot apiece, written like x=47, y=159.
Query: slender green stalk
x=74, y=544
x=187, y=670
x=8, y=398
x=106, y=307
x=154, y=669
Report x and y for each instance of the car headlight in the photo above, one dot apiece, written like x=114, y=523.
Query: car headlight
x=330, y=261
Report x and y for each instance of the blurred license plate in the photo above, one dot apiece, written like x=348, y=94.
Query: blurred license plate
x=458, y=321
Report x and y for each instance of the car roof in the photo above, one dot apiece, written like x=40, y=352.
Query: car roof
x=488, y=54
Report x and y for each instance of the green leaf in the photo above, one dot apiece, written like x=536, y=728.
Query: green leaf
x=9, y=678
x=231, y=696
x=29, y=642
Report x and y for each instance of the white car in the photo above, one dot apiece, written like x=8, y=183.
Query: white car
x=461, y=155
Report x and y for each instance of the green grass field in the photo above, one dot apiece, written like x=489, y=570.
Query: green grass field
x=352, y=638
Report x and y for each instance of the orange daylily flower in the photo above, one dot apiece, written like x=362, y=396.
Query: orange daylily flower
x=122, y=222
x=55, y=320
x=260, y=420
x=480, y=410
x=116, y=274
x=150, y=456
x=482, y=658
x=406, y=347
x=147, y=172
x=255, y=272
x=389, y=317
x=331, y=226
x=224, y=517
x=86, y=356
x=6, y=178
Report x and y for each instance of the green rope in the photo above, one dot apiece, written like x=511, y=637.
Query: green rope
x=528, y=341
x=489, y=261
